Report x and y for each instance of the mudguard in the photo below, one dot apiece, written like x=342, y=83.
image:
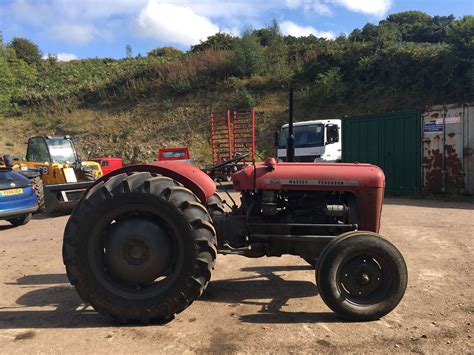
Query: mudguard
x=191, y=177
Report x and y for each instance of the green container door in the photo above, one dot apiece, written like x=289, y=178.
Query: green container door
x=391, y=141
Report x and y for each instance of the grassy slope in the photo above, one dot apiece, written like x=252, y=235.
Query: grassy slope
x=135, y=133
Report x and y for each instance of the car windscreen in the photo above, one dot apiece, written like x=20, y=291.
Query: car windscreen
x=10, y=180
x=174, y=155
x=61, y=150
x=305, y=136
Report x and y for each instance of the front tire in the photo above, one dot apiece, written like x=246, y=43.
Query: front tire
x=139, y=248
x=20, y=221
x=38, y=188
x=361, y=276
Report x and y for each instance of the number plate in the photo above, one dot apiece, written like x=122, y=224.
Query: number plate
x=11, y=192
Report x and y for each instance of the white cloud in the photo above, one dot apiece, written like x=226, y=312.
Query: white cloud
x=66, y=57
x=175, y=24
x=79, y=34
x=377, y=8
x=293, y=4
x=62, y=57
x=321, y=8
x=293, y=29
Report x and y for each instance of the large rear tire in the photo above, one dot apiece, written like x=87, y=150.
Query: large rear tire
x=139, y=248
x=361, y=276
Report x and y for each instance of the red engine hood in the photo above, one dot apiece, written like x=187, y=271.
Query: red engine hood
x=309, y=176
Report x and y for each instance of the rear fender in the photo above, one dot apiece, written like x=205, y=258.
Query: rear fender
x=191, y=177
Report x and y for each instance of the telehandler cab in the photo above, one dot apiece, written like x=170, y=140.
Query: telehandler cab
x=141, y=245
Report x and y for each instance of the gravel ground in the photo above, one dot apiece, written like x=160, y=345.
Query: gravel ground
x=252, y=305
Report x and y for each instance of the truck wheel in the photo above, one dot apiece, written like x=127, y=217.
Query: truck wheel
x=38, y=188
x=88, y=176
x=20, y=221
x=361, y=276
x=139, y=248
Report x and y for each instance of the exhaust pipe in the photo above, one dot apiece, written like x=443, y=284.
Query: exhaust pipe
x=290, y=142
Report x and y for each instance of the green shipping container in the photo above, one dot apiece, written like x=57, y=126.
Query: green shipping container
x=390, y=140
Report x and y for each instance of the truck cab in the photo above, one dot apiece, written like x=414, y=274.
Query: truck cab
x=315, y=141
x=180, y=154
x=108, y=164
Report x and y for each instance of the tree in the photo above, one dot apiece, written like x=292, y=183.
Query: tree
x=219, y=41
x=26, y=50
x=128, y=51
x=249, y=56
x=276, y=51
x=167, y=52
x=461, y=34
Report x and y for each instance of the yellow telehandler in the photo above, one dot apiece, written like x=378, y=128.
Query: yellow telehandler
x=64, y=177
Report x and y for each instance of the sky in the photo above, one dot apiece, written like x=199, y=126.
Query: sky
x=75, y=29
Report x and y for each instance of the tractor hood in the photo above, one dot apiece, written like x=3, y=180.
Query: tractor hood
x=309, y=176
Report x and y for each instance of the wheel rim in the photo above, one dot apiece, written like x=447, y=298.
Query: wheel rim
x=363, y=279
x=137, y=250
x=132, y=264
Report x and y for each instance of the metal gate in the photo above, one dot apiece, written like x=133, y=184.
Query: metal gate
x=232, y=134
x=391, y=141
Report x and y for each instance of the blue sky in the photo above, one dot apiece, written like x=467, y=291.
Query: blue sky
x=102, y=28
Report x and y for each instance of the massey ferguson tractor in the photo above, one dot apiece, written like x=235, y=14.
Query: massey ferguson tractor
x=141, y=244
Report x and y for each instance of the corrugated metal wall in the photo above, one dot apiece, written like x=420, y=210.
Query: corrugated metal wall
x=390, y=140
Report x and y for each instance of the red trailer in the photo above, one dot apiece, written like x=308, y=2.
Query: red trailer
x=232, y=135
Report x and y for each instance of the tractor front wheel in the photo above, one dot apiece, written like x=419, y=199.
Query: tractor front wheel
x=139, y=248
x=361, y=276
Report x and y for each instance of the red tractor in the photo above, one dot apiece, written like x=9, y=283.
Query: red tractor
x=141, y=245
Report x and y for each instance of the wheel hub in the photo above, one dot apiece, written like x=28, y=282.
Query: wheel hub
x=361, y=277
x=137, y=250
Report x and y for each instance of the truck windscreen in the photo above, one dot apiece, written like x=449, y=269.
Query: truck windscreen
x=305, y=136
x=61, y=150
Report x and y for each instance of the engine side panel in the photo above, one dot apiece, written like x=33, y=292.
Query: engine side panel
x=365, y=181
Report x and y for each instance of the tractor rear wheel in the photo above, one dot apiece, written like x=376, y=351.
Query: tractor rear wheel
x=139, y=248
x=361, y=276
x=38, y=188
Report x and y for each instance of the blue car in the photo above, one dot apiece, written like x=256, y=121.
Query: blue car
x=17, y=198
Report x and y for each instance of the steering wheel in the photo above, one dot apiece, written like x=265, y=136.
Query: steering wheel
x=234, y=160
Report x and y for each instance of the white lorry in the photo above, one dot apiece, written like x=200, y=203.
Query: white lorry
x=315, y=141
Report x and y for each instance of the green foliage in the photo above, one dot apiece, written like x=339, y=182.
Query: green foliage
x=26, y=50
x=219, y=41
x=167, y=52
x=461, y=34
x=245, y=99
x=407, y=60
x=329, y=86
x=249, y=55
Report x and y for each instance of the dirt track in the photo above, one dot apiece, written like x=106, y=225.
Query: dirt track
x=252, y=305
